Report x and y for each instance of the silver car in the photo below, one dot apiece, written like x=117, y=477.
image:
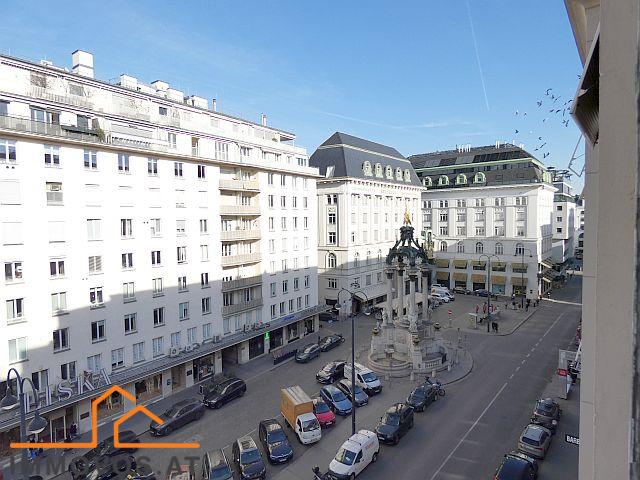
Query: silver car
x=535, y=440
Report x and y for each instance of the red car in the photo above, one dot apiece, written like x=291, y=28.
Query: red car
x=326, y=418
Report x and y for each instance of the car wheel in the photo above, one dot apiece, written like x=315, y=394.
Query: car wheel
x=352, y=476
x=375, y=457
x=167, y=431
x=199, y=414
x=242, y=392
x=411, y=423
x=396, y=439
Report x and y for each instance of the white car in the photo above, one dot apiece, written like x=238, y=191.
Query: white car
x=355, y=454
x=441, y=297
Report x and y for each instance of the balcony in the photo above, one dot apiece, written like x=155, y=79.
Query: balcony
x=241, y=283
x=75, y=100
x=240, y=259
x=240, y=185
x=233, y=235
x=50, y=129
x=239, y=209
x=231, y=309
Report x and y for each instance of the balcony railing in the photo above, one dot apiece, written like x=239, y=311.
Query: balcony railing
x=232, y=235
x=51, y=129
x=239, y=209
x=240, y=259
x=75, y=100
x=241, y=283
x=231, y=309
x=241, y=185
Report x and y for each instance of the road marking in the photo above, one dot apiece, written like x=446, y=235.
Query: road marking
x=469, y=431
x=532, y=349
x=517, y=368
x=511, y=376
x=527, y=356
x=553, y=324
x=524, y=360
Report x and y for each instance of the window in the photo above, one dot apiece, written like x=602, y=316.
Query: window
x=15, y=310
x=157, y=285
x=479, y=231
x=283, y=201
x=17, y=349
x=285, y=286
x=54, y=193
x=130, y=323
x=559, y=208
x=444, y=216
x=126, y=228
x=461, y=230
x=291, y=305
x=204, y=253
x=498, y=214
x=520, y=214
x=158, y=316
x=498, y=231
x=152, y=166
x=51, y=155
x=479, y=247
x=443, y=180
x=270, y=198
x=128, y=292
x=273, y=289
x=138, y=352
x=306, y=281
x=285, y=265
x=271, y=224
x=117, y=358
x=479, y=202
x=182, y=254
x=305, y=202
x=98, y=331
x=192, y=335
x=331, y=260
x=461, y=179
x=479, y=215
x=204, y=280
x=91, y=159
x=461, y=203
x=444, y=203
x=460, y=247
x=13, y=271
x=500, y=201
x=183, y=311
x=295, y=223
x=123, y=162
x=206, y=305
x=519, y=249
x=227, y=299
x=68, y=371
x=558, y=230
x=182, y=283
x=444, y=230
x=201, y=172
x=177, y=169
x=499, y=249
x=519, y=231
x=479, y=178
x=95, y=297
x=521, y=201
x=332, y=218
x=443, y=246
x=558, y=219
x=204, y=226
x=60, y=339
x=7, y=151
x=284, y=245
x=155, y=258
x=127, y=261
x=207, y=332
x=356, y=259
x=332, y=238
x=94, y=363
x=58, y=302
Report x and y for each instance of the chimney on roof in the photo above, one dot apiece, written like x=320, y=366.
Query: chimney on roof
x=159, y=85
x=82, y=63
x=497, y=143
x=214, y=105
x=263, y=120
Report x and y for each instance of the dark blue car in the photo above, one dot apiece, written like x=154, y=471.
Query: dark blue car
x=337, y=400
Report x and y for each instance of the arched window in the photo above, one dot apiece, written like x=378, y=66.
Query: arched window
x=407, y=175
x=443, y=180
x=479, y=247
x=426, y=181
x=366, y=168
x=479, y=178
x=398, y=173
x=443, y=246
x=499, y=249
x=388, y=172
x=331, y=260
x=519, y=249
x=460, y=246
x=378, y=170
x=461, y=179
x=368, y=257
x=356, y=259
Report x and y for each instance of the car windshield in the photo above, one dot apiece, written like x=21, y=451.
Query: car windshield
x=338, y=396
x=321, y=407
x=530, y=441
x=358, y=390
x=308, y=349
x=249, y=456
x=345, y=456
x=277, y=436
x=221, y=472
x=369, y=377
x=390, y=419
x=310, y=425
x=544, y=408
x=219, y=388
x=171, y=412
x=328, y=368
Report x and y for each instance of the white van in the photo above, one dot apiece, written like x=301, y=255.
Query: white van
x=439, y=289
x=441, y=297
x=365, y=378
x=355, y=454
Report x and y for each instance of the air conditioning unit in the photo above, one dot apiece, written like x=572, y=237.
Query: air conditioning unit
x=216, y=339
x=174, y=352
x=195, y=345
x=188, y=348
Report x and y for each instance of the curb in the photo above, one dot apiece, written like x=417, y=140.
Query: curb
x=522, y=322
x=466, y=374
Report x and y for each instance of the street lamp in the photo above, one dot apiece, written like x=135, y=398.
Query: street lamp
x=522, y=250
x=37, y=424
x=366, y=311
x=488, y=257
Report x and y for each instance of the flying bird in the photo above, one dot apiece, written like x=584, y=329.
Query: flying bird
x=525, y=114
x=545, y=155
x=539, y=103
x=539, y=138
x=517, y=131
x=517, y=112
x=566, y=122
x=558, y=111
x=544, y=120
x=551, y=111
x=549, y=89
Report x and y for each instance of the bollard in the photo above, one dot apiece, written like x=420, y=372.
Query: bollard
x=449, y=367
x=412, y=376
x=433, y=373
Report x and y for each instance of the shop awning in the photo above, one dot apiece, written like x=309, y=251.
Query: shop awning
x=518, y=281
x=549, y=274
x=460, y=263
x=479, y=263
x=546, y=264
x=478, y=278
x=519, y=266
x=440, y=275
x=498, y=279
x=501, y=266
x=442, y=262
x=459, y=276
x=544, y=279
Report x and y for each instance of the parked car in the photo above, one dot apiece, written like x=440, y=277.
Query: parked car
x=358, y=451
x=462, y=290
x=421, y=397
x=327, y=317
x=178, y=415
x=122, y=470
x=517, y=466
x=361, y=398
x=337, y=400
x=330, y=341
x=274, y=441
x=225, y=392
x=103, y=452
x=535, y=440
x=396, y=421
x=441, y=297
x=546, y=413
x=331, y=372
x=248, y=459
x=326, y=418
x=215, y=466
x=365, y=378
x=308, y=353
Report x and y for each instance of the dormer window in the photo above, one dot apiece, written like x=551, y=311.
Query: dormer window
x=427, y=182
x=479, y=178
x=398, y=173
x=388, y=171
x=366, y=169
x=461, y=179
x=379, y=170
x=443, y=180
x=407, y=175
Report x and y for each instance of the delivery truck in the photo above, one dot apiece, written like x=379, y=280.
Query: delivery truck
x=297, y=410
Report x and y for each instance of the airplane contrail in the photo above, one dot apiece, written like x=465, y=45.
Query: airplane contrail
x=475, y=46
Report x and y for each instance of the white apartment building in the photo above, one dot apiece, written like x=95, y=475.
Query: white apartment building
x=565, y=220
x=363, y=196
x=147, y=240
x=488, y=204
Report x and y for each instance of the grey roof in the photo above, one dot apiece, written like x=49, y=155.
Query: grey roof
x=475, y=155
x=532, y=174
x=347, y=154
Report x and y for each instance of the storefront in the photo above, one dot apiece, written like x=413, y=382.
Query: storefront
x=59, y=424
x=293, y=332
x=460, y=279
x=498, y=283
x=112, y=405
x=309, y=325
x=256, y=346
x=275, y=338
x=479, y=281
x=148, y=389
x=178, y=378
x=519, y=285
x=204, y=367
x=442, y=278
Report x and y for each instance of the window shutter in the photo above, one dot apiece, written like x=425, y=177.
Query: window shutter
x=12, y=233
x=9, y=192
x=56, y=232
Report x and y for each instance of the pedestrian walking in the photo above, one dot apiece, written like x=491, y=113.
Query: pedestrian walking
x=496, y=327
x=526, y=307
x=513, y=304
x=506, y=305
x=477, y=308
x=484, y=307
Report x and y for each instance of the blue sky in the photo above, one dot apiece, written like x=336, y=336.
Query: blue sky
x=407, y=74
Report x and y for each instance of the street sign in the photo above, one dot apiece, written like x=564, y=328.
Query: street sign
x=266, y=336
x=562, y=372
x=572, y=439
